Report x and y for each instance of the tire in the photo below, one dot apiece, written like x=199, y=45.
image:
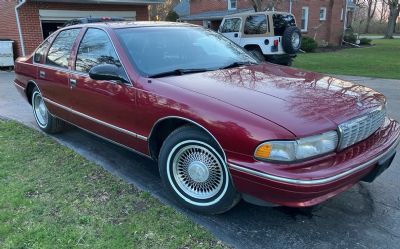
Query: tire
x=194, y=172
x=291, y=40
x=256, y=52
x=44, y=119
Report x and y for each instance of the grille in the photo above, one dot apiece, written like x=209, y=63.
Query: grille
x=358, y=129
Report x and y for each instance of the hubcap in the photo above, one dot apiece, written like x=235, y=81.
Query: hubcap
x=40, y=110
x=197, y=171
x=296, y=40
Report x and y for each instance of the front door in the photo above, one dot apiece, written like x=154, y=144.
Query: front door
x=106, y=108
x=230, y=28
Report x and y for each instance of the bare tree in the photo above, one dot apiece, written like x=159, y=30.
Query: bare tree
x=158, y=12
x=383, y=12
x=258, y=4
x=371, y=13
x=394, y=11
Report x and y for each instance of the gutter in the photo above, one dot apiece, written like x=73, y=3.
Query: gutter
x=21, y=38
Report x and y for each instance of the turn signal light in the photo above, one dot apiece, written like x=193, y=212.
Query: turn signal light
x=263, y=151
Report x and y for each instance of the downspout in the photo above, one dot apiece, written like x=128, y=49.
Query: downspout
x=21, y=38
x=290, y=6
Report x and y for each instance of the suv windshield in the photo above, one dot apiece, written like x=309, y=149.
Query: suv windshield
x=179, y=50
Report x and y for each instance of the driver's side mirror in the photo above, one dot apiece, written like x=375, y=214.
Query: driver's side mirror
x=108, y=72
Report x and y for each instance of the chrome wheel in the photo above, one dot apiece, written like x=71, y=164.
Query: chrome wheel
x=197, y=171
x=40, y=110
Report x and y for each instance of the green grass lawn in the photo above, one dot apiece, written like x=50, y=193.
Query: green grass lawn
x=381, y=60
x=51, y=197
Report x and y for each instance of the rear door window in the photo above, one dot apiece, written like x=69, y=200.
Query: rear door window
x=231, y=25
x=60, y=51
x=256, y=24
x=95, y=49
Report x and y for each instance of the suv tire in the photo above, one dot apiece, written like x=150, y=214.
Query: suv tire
x=291, y=40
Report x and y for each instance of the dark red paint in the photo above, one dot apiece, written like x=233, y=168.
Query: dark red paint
x=240, y=107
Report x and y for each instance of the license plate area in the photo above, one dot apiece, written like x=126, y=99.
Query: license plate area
x=380, y=167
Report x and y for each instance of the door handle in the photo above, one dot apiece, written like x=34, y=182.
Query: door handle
x=236, y=35
x=72, y=83
x=42, y=74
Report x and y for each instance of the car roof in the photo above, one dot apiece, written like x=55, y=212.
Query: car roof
x=134, y=24
x=247, y=13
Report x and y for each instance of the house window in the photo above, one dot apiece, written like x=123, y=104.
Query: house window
x=304, y=19
x=322, y=14
x=232, y=4
x=342, y=15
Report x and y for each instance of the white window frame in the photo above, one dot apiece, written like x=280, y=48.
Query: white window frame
x=305, y=29
x=230, y=4
x=323, y=18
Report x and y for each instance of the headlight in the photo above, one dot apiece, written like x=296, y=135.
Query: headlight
x=288, y=151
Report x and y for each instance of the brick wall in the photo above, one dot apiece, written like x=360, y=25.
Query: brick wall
x=328, y=31
x=8, y=23
x=30, y=21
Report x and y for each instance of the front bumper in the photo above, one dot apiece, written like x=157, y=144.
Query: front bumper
x=313, y=182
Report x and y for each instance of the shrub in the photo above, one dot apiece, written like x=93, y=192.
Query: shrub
x=365, y=41
x=308, y=44
x=172, y=16
x=349, y=36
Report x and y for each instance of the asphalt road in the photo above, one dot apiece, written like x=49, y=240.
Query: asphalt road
x=366, y=216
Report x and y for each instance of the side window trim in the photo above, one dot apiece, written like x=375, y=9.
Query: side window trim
x=70, y=54
x=75, y=56
x=49, y=39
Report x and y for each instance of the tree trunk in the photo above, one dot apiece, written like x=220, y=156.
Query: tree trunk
x=371, y=13
x=394, y=9
x=257, y=5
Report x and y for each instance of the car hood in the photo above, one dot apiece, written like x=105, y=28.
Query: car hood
x=304, y=103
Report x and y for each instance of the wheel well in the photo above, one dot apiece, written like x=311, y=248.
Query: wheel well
x=161, y=131
x=29, y=90
x=165, y=127
x=252, y=47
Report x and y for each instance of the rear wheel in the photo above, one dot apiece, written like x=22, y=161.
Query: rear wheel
x=194, y=172
x=44, y=119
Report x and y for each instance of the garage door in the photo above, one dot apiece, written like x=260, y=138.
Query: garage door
x=51, y=20
x=66, y=15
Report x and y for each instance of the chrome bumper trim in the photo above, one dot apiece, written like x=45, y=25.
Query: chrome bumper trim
x=317, y=181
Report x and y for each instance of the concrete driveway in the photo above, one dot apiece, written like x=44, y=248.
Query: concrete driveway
x=366, y=216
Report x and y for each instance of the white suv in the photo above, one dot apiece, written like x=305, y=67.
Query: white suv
x=270, y=35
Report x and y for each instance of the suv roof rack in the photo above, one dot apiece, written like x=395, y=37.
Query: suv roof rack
x=93, y=20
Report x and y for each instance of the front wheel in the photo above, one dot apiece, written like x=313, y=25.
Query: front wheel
x=44, y=119
x=194, y=172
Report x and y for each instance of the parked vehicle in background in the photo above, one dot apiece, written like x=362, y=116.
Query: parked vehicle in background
x=270, y=35
x=220, y=125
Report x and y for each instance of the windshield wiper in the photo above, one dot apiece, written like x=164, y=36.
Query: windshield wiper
x=238, y=64
x=178, y=72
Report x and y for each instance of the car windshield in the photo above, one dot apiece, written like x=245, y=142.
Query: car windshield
x=178, y=50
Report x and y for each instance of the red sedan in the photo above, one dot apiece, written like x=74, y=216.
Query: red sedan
x=221, y=125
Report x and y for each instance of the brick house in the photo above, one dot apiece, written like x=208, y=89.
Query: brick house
x=28, y=22
x=323, y=20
